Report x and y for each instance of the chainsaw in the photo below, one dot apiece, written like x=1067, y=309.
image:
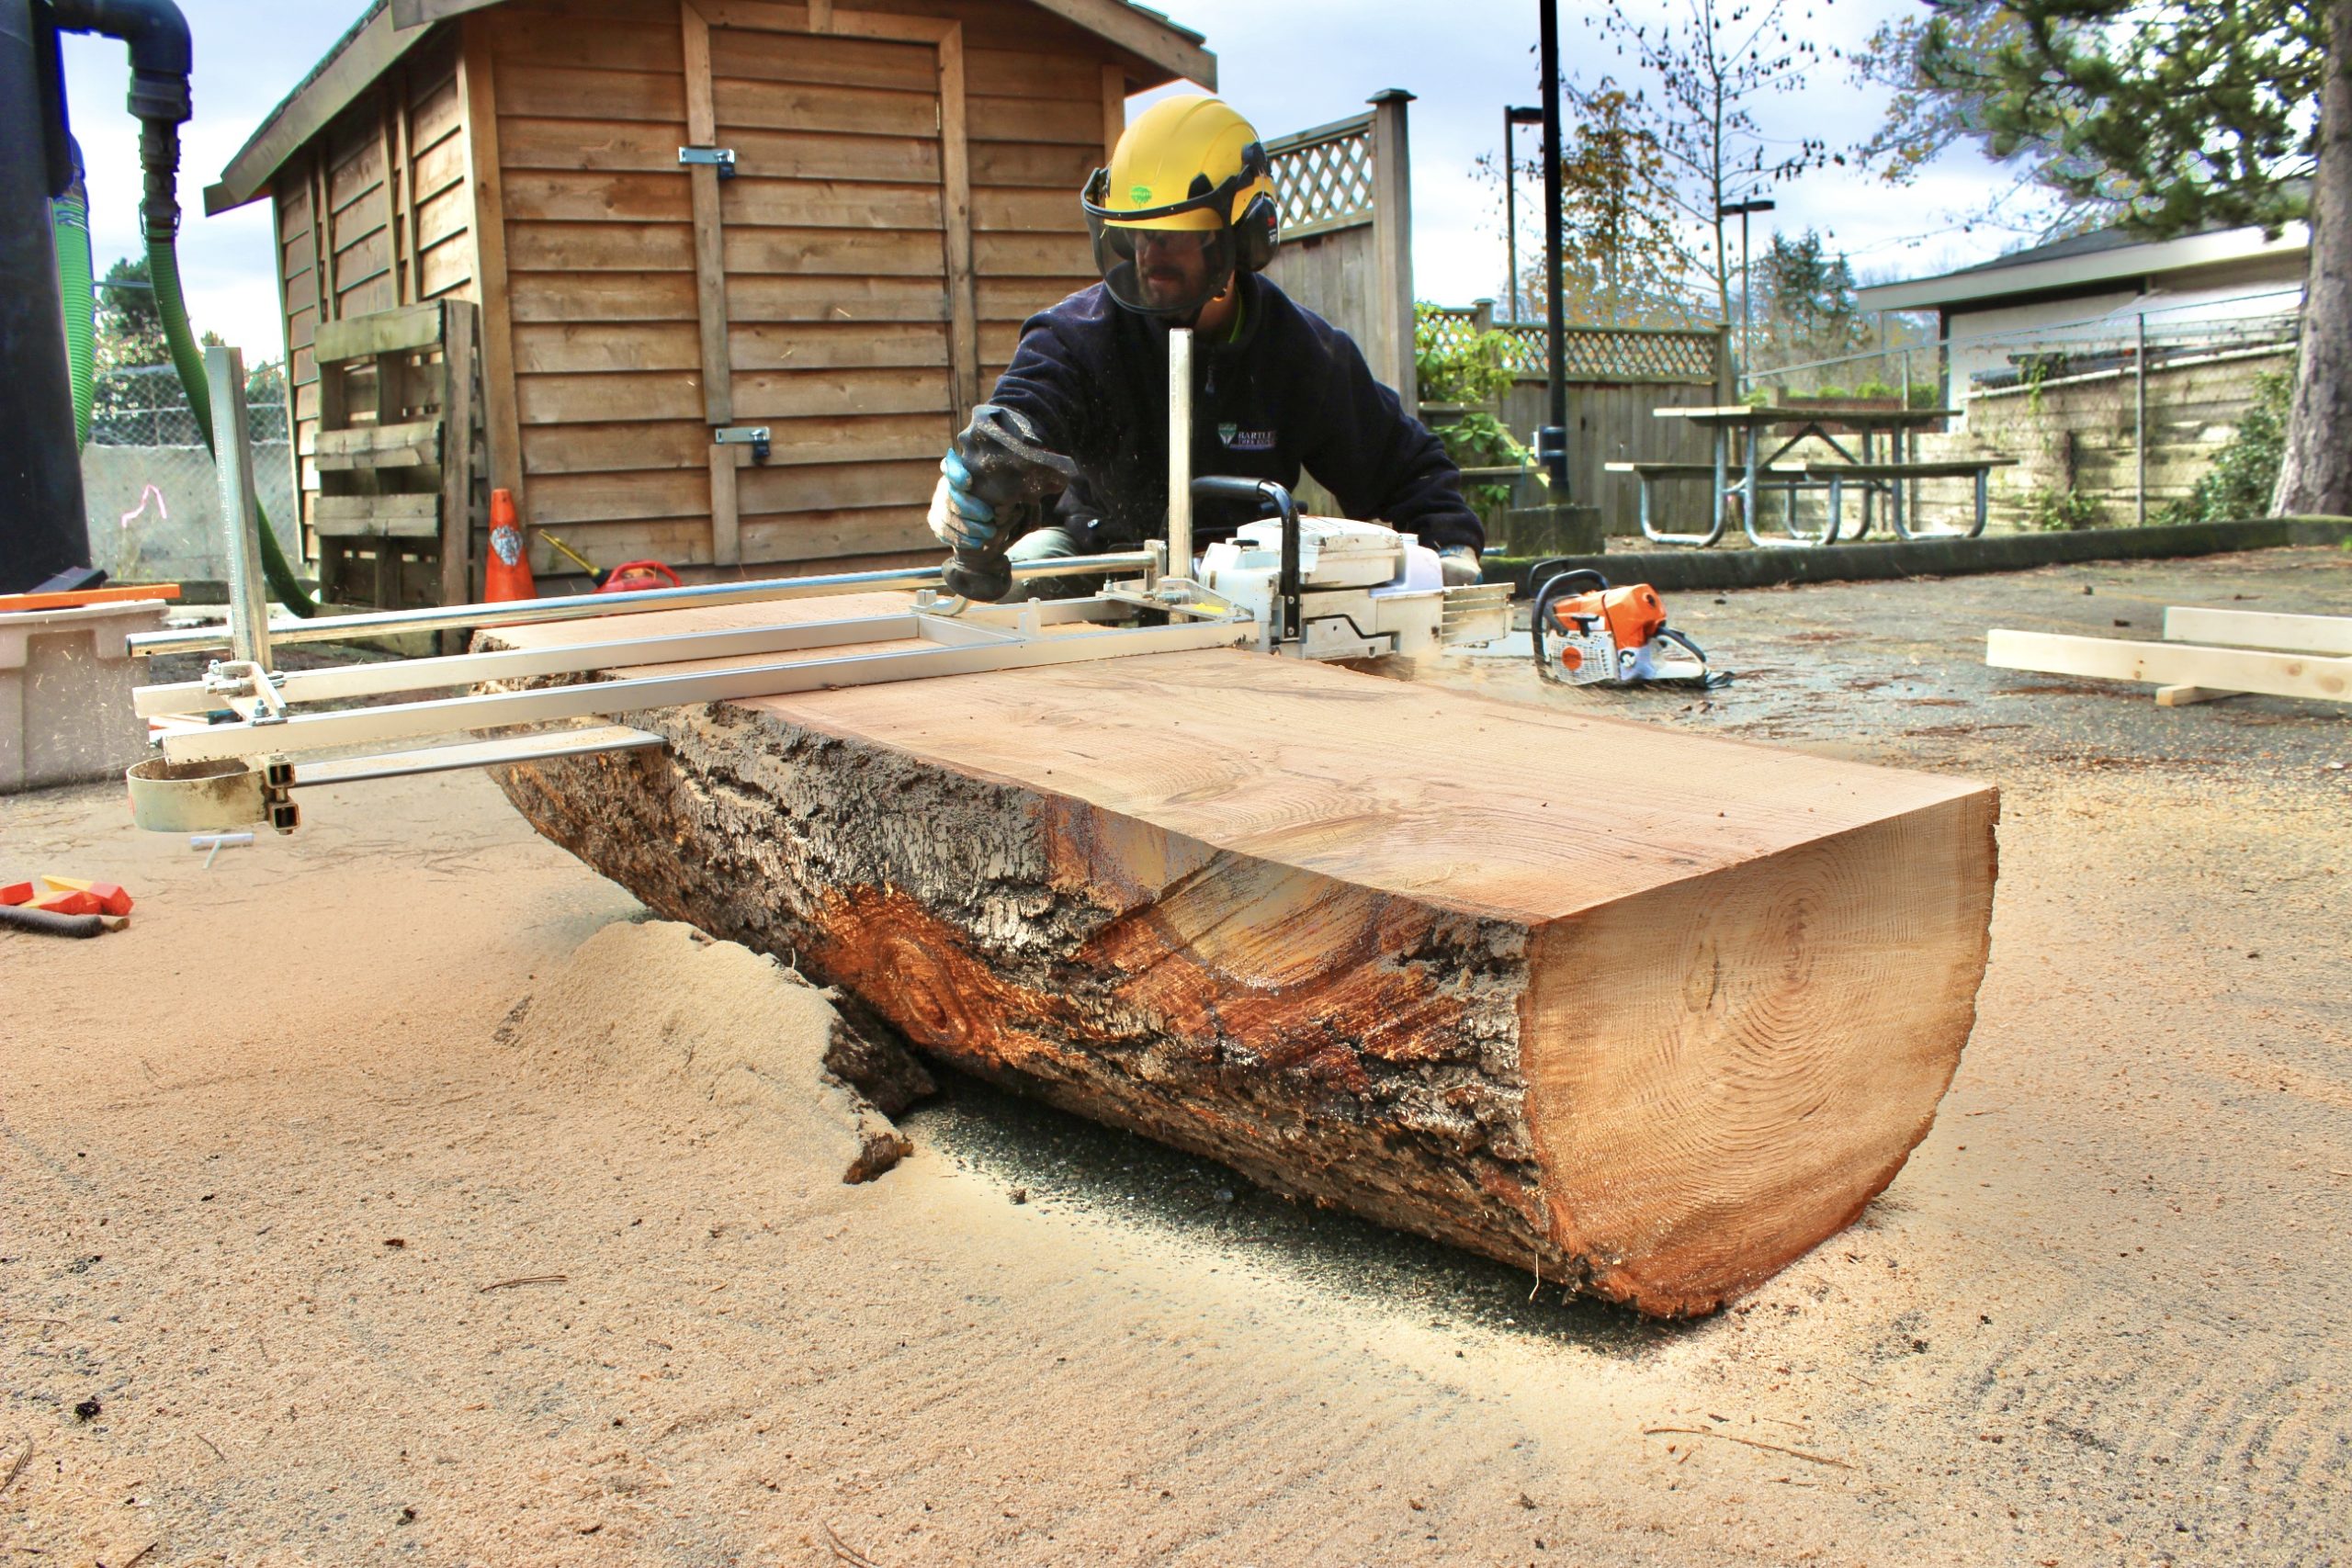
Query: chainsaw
x=1586, y=632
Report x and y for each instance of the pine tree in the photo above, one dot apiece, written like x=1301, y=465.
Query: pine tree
x=2201, y=114
x=2052, y=193
x=1807, y=298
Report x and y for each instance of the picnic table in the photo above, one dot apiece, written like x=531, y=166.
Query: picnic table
x=1874, y=450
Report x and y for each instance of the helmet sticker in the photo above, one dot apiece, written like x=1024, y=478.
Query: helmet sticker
x=1139, y=194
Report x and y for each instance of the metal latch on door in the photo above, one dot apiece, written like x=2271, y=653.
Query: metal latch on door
x=719, y=158
x=755, y=437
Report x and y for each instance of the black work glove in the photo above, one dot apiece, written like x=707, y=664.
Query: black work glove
x=995, y=471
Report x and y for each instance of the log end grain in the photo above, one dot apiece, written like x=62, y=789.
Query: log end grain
x=1722, y=1073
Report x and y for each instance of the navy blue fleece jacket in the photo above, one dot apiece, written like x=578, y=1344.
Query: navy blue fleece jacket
x=1288, y=391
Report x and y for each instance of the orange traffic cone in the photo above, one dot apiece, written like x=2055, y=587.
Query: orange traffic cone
x=507, y=573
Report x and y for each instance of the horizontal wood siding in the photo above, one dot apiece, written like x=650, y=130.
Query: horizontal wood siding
x=600, y=279
x=375, y=212
x=1038, y=127
x=833, y=237
x=834, y=253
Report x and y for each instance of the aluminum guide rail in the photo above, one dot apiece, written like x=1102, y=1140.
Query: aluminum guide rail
x=545, y=746
x=224, y=369
x=526, y=612
x=342, y=683
x=955, y=654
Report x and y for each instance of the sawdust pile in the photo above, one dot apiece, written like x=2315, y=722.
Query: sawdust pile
x=684, y=1018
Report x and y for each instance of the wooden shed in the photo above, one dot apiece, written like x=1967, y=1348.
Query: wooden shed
x=741, y=267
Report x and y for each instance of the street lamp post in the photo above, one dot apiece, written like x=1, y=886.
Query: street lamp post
x=1551, y=440
x=1746, y=307
x=1513, y=117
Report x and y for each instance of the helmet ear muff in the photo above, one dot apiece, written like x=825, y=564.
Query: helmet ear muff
x=1256, y=233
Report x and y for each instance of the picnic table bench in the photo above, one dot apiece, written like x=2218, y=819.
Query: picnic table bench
x=1767, y=477
x=1893, y=476
x=1748, y=474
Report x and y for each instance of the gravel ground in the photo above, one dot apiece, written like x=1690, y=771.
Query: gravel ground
x=2096, y=1319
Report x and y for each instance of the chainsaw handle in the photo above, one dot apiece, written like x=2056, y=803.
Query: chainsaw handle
x=1266, y=492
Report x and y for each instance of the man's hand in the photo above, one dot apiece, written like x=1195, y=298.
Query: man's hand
x=993, y=476
x=960, y=520
x=1459, y=563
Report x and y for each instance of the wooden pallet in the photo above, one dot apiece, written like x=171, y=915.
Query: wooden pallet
x=399, y=496
x=2206, y=654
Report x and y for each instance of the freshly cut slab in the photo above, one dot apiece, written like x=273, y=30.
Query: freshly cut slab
x=2220, y=669
x=1648, y=1012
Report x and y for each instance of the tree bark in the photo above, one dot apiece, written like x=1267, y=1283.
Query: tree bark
x=2315, y=474
x=1650, y=1013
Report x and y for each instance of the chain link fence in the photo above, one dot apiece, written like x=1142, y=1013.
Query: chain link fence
x=150, y=488
x=2101, y=421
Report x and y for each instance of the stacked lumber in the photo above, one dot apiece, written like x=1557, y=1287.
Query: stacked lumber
x=2207, y=654
x=1648, y=1012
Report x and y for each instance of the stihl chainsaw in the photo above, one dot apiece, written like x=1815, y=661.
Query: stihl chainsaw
x=1586, y=632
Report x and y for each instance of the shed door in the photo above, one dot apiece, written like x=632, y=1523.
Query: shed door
x=834, y=275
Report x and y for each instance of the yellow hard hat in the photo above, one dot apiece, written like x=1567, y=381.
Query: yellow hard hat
x=1188, y=165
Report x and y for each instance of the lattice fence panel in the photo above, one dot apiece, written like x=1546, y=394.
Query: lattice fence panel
x=1612, y=354
x=1324, y=178
x=1446, y=329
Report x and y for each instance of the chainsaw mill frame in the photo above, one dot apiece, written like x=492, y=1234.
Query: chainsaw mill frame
x=217, y=774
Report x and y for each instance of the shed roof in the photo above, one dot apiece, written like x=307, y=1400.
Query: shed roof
x=388, y=29
x=2081, y=262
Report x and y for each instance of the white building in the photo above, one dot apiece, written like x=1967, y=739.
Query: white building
x=2095, y=294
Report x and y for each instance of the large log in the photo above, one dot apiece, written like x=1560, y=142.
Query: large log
x=1653, y=1013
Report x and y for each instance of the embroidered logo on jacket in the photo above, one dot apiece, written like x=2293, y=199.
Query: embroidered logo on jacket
x=1236, y=439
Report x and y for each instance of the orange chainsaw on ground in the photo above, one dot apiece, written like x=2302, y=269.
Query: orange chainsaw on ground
x=1584, y=631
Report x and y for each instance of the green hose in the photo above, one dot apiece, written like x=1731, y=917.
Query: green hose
x=163, y=268
x=69, y=215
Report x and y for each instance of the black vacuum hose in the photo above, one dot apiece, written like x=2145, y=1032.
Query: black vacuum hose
x=161, y=55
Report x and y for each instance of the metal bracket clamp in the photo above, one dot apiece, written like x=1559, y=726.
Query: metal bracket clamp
x=755, y=437
x=277, y=802
x=719, y=158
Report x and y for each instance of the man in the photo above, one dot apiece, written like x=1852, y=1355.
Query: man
x=1183, y=223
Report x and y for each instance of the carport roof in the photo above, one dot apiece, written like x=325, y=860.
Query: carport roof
x=2081, y=263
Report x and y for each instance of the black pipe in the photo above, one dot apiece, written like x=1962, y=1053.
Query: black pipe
x=44, y=529
x=1287, y=588
x=1552, y=441
x=161, y=57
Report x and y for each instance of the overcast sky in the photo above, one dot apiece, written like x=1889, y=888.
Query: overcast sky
x=1287, y=66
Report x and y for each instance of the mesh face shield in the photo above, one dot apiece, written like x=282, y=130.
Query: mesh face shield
x=1159, y=270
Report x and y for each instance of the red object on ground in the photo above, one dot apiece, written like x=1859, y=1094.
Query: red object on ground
x=77, y=597
x=17, y=893
x=71, y=904
x=111, y=897
x=506, y=574
x=634, y=574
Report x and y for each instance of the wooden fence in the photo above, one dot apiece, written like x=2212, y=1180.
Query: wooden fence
x=1347, y=250
x=1618, y=378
